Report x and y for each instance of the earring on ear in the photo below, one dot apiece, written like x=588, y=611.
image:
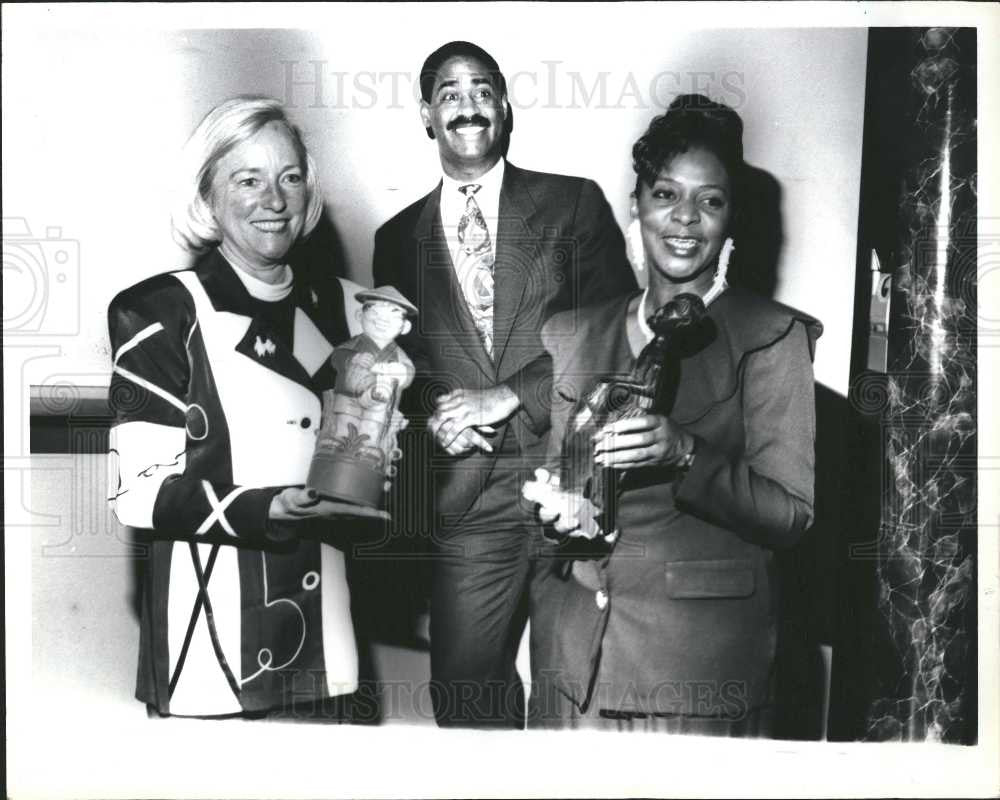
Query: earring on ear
x=724, y=254
x=719, y=284
x=633, y=246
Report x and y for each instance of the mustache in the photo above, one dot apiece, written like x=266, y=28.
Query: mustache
x=475, y=119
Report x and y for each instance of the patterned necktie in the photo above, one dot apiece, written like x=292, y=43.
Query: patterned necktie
x=475, y=266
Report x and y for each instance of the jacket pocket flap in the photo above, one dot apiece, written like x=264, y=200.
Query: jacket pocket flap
x=688, y=580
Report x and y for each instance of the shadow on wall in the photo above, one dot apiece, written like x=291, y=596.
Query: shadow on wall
x=809, y=581
x=322, y=253
x=758, y=234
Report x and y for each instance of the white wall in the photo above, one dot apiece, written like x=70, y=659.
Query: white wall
x=94, y=118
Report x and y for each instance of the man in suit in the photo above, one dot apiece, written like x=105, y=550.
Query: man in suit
x=488, y=256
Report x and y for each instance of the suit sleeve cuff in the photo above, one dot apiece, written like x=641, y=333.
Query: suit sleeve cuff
x=536, y=413
x=250, y=517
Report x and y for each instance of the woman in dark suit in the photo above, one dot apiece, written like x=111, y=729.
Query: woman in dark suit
x=669, y=622
x=215, y=389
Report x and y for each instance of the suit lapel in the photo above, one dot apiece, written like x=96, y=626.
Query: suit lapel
x=517, y=257
x=228, y=294
x=444, y=315
x=258, y=345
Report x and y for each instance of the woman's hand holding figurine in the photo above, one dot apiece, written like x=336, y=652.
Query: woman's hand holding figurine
x=295, y=504
x=569, y=513
x=643, y=441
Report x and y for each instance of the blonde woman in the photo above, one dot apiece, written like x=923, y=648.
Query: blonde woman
x=217, y=375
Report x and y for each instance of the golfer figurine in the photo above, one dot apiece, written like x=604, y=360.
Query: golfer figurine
x=356, y=443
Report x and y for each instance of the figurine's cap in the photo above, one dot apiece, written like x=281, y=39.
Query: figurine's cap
x=389, y=294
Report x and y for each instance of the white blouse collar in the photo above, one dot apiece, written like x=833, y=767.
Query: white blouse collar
x=262, y=290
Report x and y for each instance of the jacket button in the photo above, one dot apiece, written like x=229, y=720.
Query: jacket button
x=601, y=598
x=306, y=422
x=310, y=580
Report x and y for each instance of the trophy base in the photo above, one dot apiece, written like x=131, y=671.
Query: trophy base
x=340, y=479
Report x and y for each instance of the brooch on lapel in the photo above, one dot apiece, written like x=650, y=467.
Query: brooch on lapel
x=263, y=347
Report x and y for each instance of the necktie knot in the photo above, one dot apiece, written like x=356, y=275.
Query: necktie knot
x=470, y=189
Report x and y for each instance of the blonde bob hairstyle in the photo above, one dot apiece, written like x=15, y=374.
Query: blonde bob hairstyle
x=226, y=126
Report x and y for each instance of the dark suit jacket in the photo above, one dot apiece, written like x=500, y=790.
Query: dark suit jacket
x=686, y=618
x=557, y=247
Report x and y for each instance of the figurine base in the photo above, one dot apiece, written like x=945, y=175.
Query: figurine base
x=340, y=479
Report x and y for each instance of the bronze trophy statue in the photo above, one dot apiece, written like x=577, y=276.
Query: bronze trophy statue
x=356, y=444
x=651, y=386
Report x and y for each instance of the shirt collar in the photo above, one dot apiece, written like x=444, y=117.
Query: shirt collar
x=490, y=184
x=373, y=345
x=262, y=290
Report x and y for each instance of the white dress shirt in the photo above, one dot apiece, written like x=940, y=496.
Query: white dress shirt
x=453, y=206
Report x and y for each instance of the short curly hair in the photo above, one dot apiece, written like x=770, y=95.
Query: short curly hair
x=691, y=121
x=225, y=127
x=458, y=49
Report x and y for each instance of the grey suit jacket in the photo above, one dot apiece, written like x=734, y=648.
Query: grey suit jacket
x=682, y=617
